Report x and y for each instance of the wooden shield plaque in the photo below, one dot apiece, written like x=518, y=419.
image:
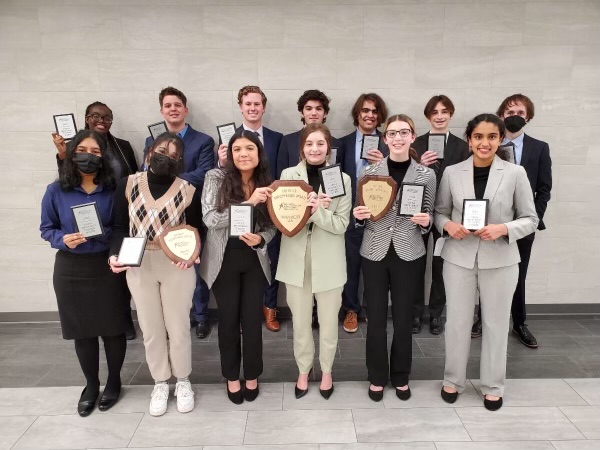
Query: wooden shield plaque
x=288, y=205
x=181, y=244
x=377, y=193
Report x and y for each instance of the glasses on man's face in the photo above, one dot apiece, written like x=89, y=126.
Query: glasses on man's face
x=97, y=118
x=391, y=134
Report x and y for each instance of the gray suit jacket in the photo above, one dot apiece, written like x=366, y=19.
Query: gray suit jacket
x=218, y=231
x=510, y=202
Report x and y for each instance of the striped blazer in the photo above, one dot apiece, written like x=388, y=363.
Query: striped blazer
x=218, y=231
x=392, y=228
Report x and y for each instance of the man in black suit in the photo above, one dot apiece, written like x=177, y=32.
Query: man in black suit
x=534, y=155
x=369, y=112
x=438, y=111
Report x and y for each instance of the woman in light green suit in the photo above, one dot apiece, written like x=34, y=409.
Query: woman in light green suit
x=313, y=262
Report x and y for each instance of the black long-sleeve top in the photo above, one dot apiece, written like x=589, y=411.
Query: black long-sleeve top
x=480, y=179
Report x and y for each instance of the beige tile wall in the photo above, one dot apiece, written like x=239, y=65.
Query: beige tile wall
x=56, y=56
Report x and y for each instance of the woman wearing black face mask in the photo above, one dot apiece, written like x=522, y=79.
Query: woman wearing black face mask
x=92, y=302
x=145, y=205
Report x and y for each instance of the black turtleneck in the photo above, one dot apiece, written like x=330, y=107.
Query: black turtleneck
x=398, y=169
x=480, y=179
x=313, y=176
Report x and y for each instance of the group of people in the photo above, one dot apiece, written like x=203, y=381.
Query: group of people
x=182, y=180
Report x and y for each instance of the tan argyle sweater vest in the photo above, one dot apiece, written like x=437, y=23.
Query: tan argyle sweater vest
x=149, y=217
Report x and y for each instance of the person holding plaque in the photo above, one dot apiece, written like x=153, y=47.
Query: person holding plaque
x=236, y=268
x=148, y=204
x=501, y=211
x=438, y=112
x=313, y=262
x=369, y=112
x=92, y=302
x=393, y=261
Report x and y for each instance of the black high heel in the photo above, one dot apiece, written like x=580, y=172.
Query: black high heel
x=492, y=405
x=301, y=392
x=449, y=397
x=326, y=393
x=250, y=394
x=235, y=397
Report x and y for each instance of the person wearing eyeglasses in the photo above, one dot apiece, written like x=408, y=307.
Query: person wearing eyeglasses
x=119, y=154
x=393, y=261
x=147, y=204
x=369, y=112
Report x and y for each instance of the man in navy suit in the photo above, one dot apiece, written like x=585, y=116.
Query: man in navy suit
x=534, y=155
x=313, y=106
x=369, y=112
x=253, y=104
x=198, y=158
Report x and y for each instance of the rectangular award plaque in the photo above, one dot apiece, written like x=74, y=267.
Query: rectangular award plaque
x=240, y=219
x=65, y=125
x=437, y=143
x=369, y=143
x=132, y=251
x=411, y=199
x=332, y=181
x=474, y=214
x=507, y=153
x=87, y=220
x=158, y=128
x=225, y=132
x=332, y=159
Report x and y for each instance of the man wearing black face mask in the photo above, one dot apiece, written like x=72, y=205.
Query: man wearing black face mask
x=534, y=155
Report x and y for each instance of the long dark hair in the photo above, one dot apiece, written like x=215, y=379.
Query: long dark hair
x=69, y=176
x=169, y=138
x=232, y=190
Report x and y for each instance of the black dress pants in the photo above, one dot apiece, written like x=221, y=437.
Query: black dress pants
x=239, y=290
x=404, y=281
x=437, y=294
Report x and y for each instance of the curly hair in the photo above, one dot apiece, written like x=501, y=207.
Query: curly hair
x=232, y=190
x=69, y=176
x=315, y=95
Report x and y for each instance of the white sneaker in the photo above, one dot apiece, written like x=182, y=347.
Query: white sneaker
x=158, y=401
x=185, y=396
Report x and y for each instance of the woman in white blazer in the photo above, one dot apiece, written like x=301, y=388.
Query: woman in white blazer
x=485, y=260
x=313, y=262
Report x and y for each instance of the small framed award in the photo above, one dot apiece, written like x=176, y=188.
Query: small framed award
x=474, y=214
x=369, y=143
x=437, y=143
x=332, y=181
x=507, y=153
x=158, y=128
x=132, y=251
x=226, y=131
x=87, y=220
x=333, y=155
x=411, y=199
x=240, y=219
x=65, y=125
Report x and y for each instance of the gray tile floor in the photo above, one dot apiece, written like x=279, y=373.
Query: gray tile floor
x=552, y=398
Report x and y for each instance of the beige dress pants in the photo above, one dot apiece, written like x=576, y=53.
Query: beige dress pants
x=300, y=301
x=163, y=296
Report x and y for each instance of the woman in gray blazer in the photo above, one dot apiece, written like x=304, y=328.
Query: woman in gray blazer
x=485, y=260
x=314, y=261
x=393, y=261
x=237, y=269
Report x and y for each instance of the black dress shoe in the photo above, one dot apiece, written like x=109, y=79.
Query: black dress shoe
x=202, y=329
x=492, y=405
x=326, y=393
x=86, y=403
x=250, y=394
x=403, y=395
x=108, y=400
x=449, y=397
x=376, y=396
x=476, y=329
x=436, y=326
x=525, y=336
x=416, y=325
x=130, y=333
x=236, y=397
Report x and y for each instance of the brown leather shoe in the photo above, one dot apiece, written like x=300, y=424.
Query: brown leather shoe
x=351, y=322
x=271, y=322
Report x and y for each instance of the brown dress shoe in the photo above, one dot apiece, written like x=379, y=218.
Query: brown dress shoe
x=271, y=322
x=351, y=322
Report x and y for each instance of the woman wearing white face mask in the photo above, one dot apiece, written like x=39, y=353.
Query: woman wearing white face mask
x=313, y=262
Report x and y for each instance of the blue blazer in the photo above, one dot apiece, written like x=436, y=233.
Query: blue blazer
x=198, y=156
x=272, y=141
x=289, y=151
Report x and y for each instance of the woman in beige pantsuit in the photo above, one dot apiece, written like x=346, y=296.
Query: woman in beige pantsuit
x=313, y=262
x=485, y=260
